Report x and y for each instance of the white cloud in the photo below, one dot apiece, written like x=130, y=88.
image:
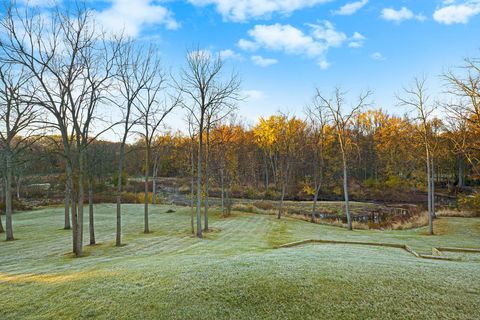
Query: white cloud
x=378, y=56
x=200, y=53
x=323, y=64
x=355, y=44
x=357, y=40
x=457, y=13
x=328, y=33
x=285, y=38
x=313, y=43
x=254, y=94
x=130, y=16
x=398, y=16
x=40, y=3
x=222, y=54
x=263, y=62
x=247, y=45
x=243, y=10
x=350, y=8
x=358, y=36
x=229, y=54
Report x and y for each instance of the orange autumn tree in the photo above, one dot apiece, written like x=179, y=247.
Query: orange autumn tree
x=225, y=159
x=282, y=138
x=266, y=138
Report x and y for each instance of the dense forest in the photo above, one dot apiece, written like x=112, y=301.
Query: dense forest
x=385, y=153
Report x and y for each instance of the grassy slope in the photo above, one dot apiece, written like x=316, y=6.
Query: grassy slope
x=234, y=272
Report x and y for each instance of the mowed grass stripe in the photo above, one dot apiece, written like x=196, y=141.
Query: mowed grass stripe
x=234, y=272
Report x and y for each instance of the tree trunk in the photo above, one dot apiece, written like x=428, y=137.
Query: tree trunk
x=429, y=190
x=221, y=183
x=73, y=204
x=90, y=212
x=345, y=190
x=199, y=182
x=192, y=189
x=318, y=185
x=192, y=210
x=284, y=183
x=434, y=215
x=154, y=190
x=79, y=251
x=315, y=199
x=280, y=209
x=266, y=172
x=228, y=201
x=154, y=181
x=66, y=224
x=2, y=230
x=274, y=170
x=8, y=197
x=461, y=172
x=207, y=156
x=147, y=163
x=118, y=233
x=1, y=225
x=18, y=187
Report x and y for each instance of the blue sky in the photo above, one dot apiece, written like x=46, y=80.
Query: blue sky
x=284, y=49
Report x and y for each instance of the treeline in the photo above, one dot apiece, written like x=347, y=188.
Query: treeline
x=386, y=153
x=64, y=82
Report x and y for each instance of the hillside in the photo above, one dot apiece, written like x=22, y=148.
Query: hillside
x=235, y=272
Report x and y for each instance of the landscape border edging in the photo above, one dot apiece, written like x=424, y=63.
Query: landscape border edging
x=437, y=253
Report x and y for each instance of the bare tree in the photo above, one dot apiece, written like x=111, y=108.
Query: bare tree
x=460, y=135
x=192, y=134
x=204, y=90
x=215, y=115
x=93, y=159
x=17, y=115
x=416, y=98
x=98, y=62
x=66, y=221
x=317, y=116
x=99, y=160
x=152, y=110
x=464, y=88
x=93, y=61
x=435, y=128
x=134, y=73
x=70, y=64
x=342, y=121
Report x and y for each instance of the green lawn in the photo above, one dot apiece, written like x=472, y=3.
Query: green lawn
x=235, y=272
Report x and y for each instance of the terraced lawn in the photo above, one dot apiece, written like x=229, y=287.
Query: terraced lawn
x=235, y=272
